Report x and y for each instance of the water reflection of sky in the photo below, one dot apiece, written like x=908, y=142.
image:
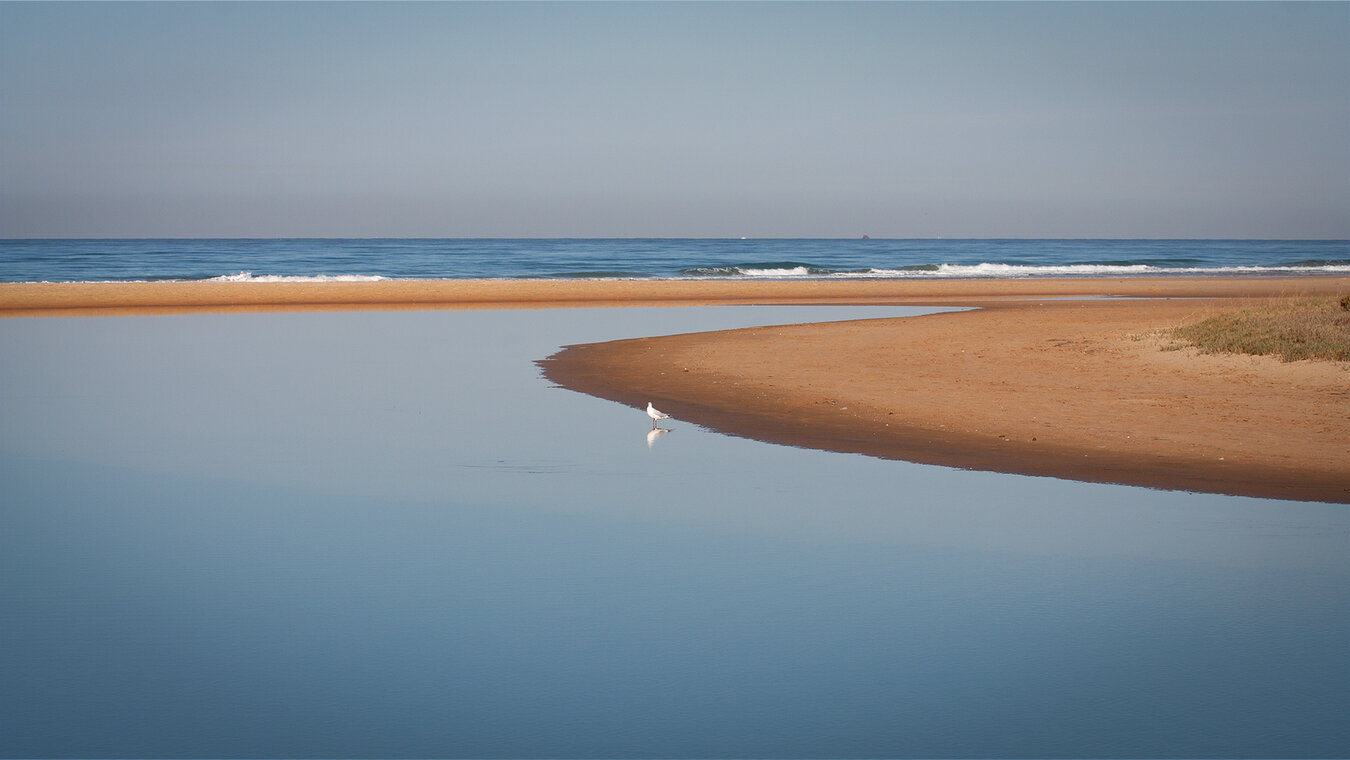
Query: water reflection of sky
x=379, y=534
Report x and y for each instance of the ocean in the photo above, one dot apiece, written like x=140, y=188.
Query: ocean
x=700, y=258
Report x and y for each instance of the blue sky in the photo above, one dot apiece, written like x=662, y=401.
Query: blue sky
x=682, y=119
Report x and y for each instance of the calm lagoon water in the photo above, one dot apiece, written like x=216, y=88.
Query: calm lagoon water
x=385, y=535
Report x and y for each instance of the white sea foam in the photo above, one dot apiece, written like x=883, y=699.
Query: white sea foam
x=1021, y=270
x=788, y=272
x=990, y=270
x=250, y=277
x=1012, y=271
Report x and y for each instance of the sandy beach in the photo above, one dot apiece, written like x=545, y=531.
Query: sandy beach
x=1031, y=382
x=117, y=298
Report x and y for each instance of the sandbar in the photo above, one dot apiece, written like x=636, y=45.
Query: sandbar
x=122, y=298
x=1035, y=380
x=1090, y=390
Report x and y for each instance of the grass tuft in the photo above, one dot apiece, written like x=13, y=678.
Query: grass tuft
x=1291, y=329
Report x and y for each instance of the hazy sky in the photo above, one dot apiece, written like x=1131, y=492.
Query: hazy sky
x=683, y=119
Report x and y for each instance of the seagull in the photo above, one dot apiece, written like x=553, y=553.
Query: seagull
x=655, y=414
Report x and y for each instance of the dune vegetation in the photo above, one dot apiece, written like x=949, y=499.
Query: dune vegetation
x=1292, y=329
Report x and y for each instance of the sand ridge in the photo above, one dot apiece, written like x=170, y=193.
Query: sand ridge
x=1076, y=389
x=120, y=298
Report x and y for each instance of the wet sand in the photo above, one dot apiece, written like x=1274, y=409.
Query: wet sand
x=1029, y=383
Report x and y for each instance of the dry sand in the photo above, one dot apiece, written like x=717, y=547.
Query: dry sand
x=1028, y=383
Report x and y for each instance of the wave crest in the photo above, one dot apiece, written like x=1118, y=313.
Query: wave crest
x=250, y=277
x=992, y=270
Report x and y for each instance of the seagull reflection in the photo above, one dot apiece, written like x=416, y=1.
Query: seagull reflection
x=655, y=433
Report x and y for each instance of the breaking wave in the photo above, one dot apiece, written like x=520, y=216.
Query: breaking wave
x=1003, y=270
x=250, y=277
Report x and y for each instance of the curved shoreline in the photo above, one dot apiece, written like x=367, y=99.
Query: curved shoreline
x=1077, y=390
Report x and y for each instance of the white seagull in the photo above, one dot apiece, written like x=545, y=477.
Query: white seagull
x=655, y=414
